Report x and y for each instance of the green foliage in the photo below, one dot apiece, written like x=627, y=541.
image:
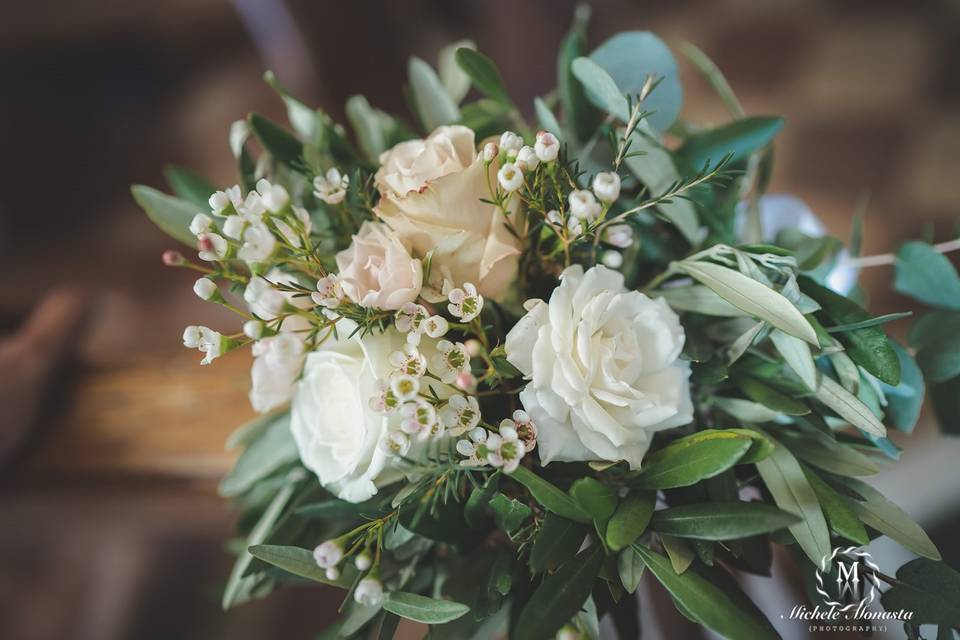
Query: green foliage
x=434, y=106
x=188, y=185
x=282, y=145
x=692, y=459
x=265, y=454
x=560, y=596
x=721, y=520
x=927, y=275
x=557, y=541
x=630, y=519
x=483, y=74
x=552, y=498
x=741, y=138
x=172, y=215
x=931, y=590
x=299, y=562
x=423, y=609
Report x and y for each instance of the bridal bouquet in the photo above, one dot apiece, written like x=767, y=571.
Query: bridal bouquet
x=506, y=368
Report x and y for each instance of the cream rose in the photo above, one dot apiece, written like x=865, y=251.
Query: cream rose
x=276, y=365
x=431, y=193
x=338, y=434
x=376, y=270
x=603, y=368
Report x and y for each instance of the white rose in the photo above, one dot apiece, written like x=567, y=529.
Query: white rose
x=337, y=433
x=603, y=368
x=376, y=270
x=431, y=192
x=276, y=365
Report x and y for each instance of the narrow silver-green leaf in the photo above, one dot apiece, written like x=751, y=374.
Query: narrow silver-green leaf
x=273, y=449
x=299, y=562
x=433, y=103
x=848, y=407
x=699, y=299
x=796, y=353
x=173, y=215
x=423, y=609
x=552, y=498
x=880, y=513
x=754, y=298
x=790, y=489
x=721, y=520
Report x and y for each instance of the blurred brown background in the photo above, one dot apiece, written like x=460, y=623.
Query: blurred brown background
x=111, y=441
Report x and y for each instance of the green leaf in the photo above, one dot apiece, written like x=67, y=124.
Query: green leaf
x=560, y=596
x=630, y=567
x=847, y=406
x=186, y=184
x=870, y=348
x=939, y=359
x=880, y=513
x=945, y=397
x=707, y=603
x=740, y=137
x=905, y=400
x=838, y=513
x=823, y=451
x=454, y=80
x=752, y=297
x=545, y=117
x=557, y=541
x=300, y=562
x=508, y=513
x=655, y=168
x=931, y=590
x=552, y=498
x=691, y=459
x=172, y=215
x=580, y=115
x=926, y=275
x=368, y=125
x=479, y=498
x=790, y=489
x=423, y=609
x=273, y=449
x=629, y=57
x=594, y=497
x=721, y=520
x=601, y=89
x=680, y=552
x=281, y=144
x=630, y=519
x=434, y=105
x=334, y=509
x=796, y=353
x=771, y=398
x=698, y=299
x=483, y=73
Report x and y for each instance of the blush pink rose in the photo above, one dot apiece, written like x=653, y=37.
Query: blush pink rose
x=377, y=271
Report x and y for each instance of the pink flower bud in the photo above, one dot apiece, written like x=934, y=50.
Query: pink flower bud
x=473, y=347
x=172, y=258
x=467, y=381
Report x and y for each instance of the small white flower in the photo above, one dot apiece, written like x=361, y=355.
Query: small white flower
x=408, y=362
x=510, y=177
x=505, y=449
x=212, y=247
x=524, y=427
x=410, y=316
x=419, y=418
x=575, y=226
x=363, y=561
x=450, y=361
x=253, y=329
x=221, y=201
x=332, y=187
x=568, y=633
x=369, y=592
x=612, y=259
x=205, y=288
x=328, y=554
x=332, y=573
x=329, y=293
x=397, y=443
x=465, y=303
x=435, y=326
x=200, y=223
x=233, y=227
x=619, y=235
x=258, y=243
x=490, y=151
x=527, y=159
x=509, y=141
x=547, y=146
x=253, y=206
x=274, y=196
x=583, y=205
x=293, y=235
x=404, y=387
x=606, y=186
x=384, y=401
x=473, y=448
x=554, y=218
x=461, y=414
x=204, y=339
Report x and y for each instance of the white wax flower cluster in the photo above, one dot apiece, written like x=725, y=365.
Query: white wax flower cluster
x=520, y=158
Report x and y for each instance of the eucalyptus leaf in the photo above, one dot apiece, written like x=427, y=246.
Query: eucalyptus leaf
x=545, y=117
x=792, y=492
x=905, y=400
x=754, y=298
x=601, y=88
x=173, y=215
x=264, y=455
x=423, y=609
x=740, y=137
x=560, y=596
x=926, y=275
x=928, y=589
